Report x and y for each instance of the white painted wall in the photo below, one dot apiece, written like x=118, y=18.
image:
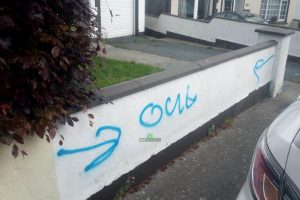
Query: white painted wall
x=217, y=94
x=142, y=15
x=239, y=32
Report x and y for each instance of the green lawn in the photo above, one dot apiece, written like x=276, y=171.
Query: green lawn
x=116, y=71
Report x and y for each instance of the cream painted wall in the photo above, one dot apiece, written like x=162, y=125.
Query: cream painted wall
x=31, y=178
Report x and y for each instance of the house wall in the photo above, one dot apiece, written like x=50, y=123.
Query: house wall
x=166, y=106
x=219, y=5
x=292, y=11
x=174, y=7
x=297, y=14
x=215, y=30
x=253, y=6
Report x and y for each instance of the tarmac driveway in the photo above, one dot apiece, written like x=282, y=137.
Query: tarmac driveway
x=166, y=47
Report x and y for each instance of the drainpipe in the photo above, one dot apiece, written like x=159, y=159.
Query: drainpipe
x=136, y=8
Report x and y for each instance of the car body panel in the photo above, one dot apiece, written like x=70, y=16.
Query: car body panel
x=245, y=193
x=282, y=132
x=293, y=163
x=283, y=139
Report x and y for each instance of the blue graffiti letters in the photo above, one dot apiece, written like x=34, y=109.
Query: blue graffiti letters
x=152, y=107
x=189, y=101
x=169, y=110
x=177, y=102
x=258, y=65
x=102, y=157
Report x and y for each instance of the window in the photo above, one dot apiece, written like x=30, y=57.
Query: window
x=228, y=5
x=186, y=8
x=156, y=7
x=274, y=9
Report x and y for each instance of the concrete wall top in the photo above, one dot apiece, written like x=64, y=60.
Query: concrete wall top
x=123, y=89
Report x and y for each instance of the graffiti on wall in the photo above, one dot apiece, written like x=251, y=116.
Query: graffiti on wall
x=258, y=65
x=169, y=110
x=180, y=103
x=103, y=156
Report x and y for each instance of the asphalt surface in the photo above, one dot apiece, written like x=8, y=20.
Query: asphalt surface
x=183, y=52
x=170, y=48
x=217, y=169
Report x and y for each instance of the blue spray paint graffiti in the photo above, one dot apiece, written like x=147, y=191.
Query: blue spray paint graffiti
x=259, y=64
x=102, y=157
x=156, y=108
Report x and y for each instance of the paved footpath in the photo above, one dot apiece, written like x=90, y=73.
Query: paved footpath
x=217, y=169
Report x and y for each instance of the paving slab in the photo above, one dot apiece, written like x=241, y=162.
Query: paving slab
x=217, y=169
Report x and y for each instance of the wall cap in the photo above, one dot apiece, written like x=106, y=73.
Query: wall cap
x=275, y=31
x=130, y=87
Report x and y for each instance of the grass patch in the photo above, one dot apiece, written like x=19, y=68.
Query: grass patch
x=110, y=71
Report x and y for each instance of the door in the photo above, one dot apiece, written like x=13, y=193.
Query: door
x=117, y=18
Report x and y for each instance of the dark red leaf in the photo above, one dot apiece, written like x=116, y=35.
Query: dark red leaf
x=75, y=119
x=18, y=138
x=62, y=137
x=34, y=84
x=62, y=120
x=15, y=151
x=6, y=139
x=52, y=133
x=91, y=116
x=98, y=48
x=24, y=153
x=55, y=52
x=69, y=121
x=104, y=51
x=48, y=138
x=40, y=131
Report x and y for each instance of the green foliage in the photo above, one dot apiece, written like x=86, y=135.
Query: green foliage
x=108, y=72
x=44, y=51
